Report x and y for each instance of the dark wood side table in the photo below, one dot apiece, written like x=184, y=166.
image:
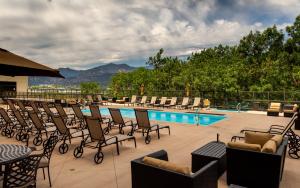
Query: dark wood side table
x=212, y=151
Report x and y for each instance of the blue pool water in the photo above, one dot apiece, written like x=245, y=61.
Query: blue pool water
x=175, y=117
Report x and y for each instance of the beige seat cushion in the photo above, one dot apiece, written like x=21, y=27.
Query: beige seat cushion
x=273, y=110
x=269, y=147
x=166, y=165
x=277, y=139
x=44, y=162
x=257, y=138
x=245, y=146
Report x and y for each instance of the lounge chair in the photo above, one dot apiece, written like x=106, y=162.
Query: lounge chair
x=163, y=101
x=206, y=103
x=7, y=124
x=132, y=101
x=47, y=111
x=66, y=133
x=143, y=124
x=121, y=101
x=95, y=112
x=274, y=109
x=196, y=104
x=69, y=118
x=117, y=120
x=96, y=134
x=152, y=101
x=100, y=101
x=23, y=128
x=184, y=104
x=143, y=101
x=172, y=103
x=79, y=117
x=89, y=99
x=35, y=108
x=289, y=110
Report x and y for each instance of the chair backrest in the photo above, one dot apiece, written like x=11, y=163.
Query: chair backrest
x=60, y=110
x=290, y=124
x=47, y=109
x=95, y=112
x=50, y=145
x=197, y=101
x=153, y=100
x=5, y=116
x=20, y=118
x=95, y=128
x=173, y=101
x=37, y=122
x=206, y=103
x=144, y=99
x=89, y=98
x=163, y=100
x=11, y=105
x=116, y=116
x=275, y=105
x=60, y=124
x=133, y=99
x=21, y=105
x=77, y=111
x=34, y=107
x=22, y=172
x=185, y=101
x=99, y=98
x=142, y=118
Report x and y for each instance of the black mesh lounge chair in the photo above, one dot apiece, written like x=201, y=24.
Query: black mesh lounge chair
x=143, y=125
x=35, y=108
x=133, y=101
x=11, y=106
x=69, y=118
x=7, y=124
x=23, y=128
x=100, y=101
x=47, y=111
x=22, y=172
x=79, y=117
x=152, y=101
x=196, y=104
x=162, y=102
x=95, y=112
x=89, y=99
x=117, y=120
x=172, y=103
x=22, y=107
x=66, y=133
x=40, y=128
x=184, y=104
x=143, y=101
x=97, y=136
x=46, y=153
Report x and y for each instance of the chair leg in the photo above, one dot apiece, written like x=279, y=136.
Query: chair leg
x=49, y=176
x=117, y=145
x=44, y=173
x=158, y=135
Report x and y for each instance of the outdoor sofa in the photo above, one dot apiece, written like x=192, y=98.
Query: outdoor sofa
x=148, y=176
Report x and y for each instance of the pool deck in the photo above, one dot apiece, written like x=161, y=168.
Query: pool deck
x=114, y=172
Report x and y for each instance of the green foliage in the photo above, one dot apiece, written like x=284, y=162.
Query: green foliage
x=89, y=87
x=262, y=61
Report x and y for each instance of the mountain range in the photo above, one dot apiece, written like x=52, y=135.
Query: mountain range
x=101, y=74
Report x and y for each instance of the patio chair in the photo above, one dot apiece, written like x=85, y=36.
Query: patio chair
x=95, y=112
x=117, y=120
x=274, y=109
x=69, y=118
x=143, y=125
x=7, y=124
x=121, y=101
x=46, y=153
x=96, y=135
x=89, y=100
x=184, y=104
x=79, y=117
x=152, y=101
x=23, y=128
x=162, y=102
x=21, y=172
x=35, y=108
x=196, y=104
x=66, y=133
x=206, y=103
x=47, y=111
x=40, y=128
x=11, y=106
x=143, y=101
x=100, y=101
x=172, y=103
x=149, y=176
x=132, y=101
x=289, y=110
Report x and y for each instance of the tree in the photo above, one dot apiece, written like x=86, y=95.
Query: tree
x=90, y=87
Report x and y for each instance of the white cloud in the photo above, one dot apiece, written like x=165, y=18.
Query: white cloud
x=78, y=34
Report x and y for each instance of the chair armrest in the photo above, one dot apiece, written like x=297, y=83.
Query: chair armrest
x=206, y=176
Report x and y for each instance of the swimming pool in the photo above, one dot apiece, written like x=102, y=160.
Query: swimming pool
x=175, y=117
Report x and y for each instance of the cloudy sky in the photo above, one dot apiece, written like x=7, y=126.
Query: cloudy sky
x=84, y=33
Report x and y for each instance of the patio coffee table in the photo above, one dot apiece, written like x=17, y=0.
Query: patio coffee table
x=212, y=151
x=11, y=152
